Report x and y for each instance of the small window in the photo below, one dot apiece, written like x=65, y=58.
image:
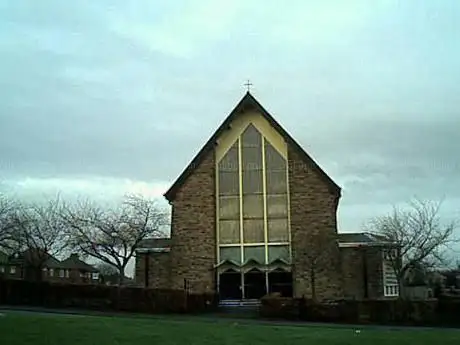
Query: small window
x=61, y=273
x=67, y=273
x=95, y=276
x=82, y=275
x=51, y=272
x=13, y=270
x=2, y=269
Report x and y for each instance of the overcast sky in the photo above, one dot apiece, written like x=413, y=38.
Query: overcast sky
x=104, y=97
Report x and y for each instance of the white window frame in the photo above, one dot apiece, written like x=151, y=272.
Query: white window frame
x=51, y=272
x=61, y=273
x=2, y=269
x=67, y=273
x=95, y=276
x=389, y=289
x=13, y=270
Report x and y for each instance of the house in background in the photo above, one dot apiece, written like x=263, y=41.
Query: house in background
x=3, y=263
x=79, y=272
x=37, y=265
x=248, y=211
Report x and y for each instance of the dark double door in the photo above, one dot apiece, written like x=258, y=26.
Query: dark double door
x=237, y=285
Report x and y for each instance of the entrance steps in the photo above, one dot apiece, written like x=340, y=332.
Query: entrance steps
x=240, y=308
x=255, y=303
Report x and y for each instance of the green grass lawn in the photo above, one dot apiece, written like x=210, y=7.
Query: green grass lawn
x=16, y=328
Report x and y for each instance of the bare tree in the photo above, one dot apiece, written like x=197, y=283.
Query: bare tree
x=113, y=235
x=7, y=222
x=106, y=269
x=316, y=251
x=418, y=235
x=39, y=234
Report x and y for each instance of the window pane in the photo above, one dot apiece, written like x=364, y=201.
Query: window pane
x=276, y=182
x=229, y=207
x=251, y=137
x=253, y=230
x=252, y=181
x=232, y=254
x=278, y=253
x=230, y=161
x=278, y=230
x=256, y=254
x=253, y=206
x=273, y=158
x=229, y=231
x=252, y=158
x=228, y=183
x=277, y=205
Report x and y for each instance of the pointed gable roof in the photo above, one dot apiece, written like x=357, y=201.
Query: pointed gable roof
x=248, y=102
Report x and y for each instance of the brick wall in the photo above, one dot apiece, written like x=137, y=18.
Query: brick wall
x=313, y=220
x=353, y=268
x=159, y=272
x=193, y=246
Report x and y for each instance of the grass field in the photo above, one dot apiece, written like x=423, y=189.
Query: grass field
x=16, y=328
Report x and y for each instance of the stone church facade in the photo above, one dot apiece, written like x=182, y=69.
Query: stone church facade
x=254, y=214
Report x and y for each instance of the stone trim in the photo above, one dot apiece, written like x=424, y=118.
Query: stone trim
x=153, y=250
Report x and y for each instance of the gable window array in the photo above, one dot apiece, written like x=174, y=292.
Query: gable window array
x=253, y=226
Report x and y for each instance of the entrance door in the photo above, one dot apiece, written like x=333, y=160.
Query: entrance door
x=280, y=281
x=255, y=286
x=230, y=285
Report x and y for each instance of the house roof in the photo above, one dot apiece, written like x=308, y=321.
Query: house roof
x=248, y=102
x=33, y=255
x=74, y=262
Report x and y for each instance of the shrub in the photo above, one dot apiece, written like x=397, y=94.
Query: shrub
x=103, y=298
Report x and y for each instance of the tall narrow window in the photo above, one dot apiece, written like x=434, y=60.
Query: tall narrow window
x=277, y=212
x=252, y=173
x=229, y=204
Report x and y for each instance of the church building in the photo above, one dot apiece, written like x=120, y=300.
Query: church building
x=254, y=214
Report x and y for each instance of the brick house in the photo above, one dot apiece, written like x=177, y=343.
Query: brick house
x=79, y=272
x=28, y=265
x=248, y=212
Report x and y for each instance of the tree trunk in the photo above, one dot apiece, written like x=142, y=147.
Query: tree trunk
x=313, y=284
x=121, y=276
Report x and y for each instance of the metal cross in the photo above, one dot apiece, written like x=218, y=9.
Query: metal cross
x=248, y=85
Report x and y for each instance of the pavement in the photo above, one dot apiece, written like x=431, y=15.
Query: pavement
x=227, y=318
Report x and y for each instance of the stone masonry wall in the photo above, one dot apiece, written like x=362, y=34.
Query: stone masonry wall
x=353, y=266
x=313, y=232
x=193, y=235
x=158, y=272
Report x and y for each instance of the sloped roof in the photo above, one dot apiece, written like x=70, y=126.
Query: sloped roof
x=74, y=262
x=248, y=102
x=355, y=237
x=360, y=237
x=32, y=255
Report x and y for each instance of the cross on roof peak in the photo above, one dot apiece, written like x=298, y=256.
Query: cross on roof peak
x=248, y=85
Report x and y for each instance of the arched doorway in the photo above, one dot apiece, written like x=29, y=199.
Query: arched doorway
x=230, y=285
x=255, y=285
x=280, y=281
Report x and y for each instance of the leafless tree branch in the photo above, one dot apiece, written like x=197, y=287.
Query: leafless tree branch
x=418, y=233
x=113, y=235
